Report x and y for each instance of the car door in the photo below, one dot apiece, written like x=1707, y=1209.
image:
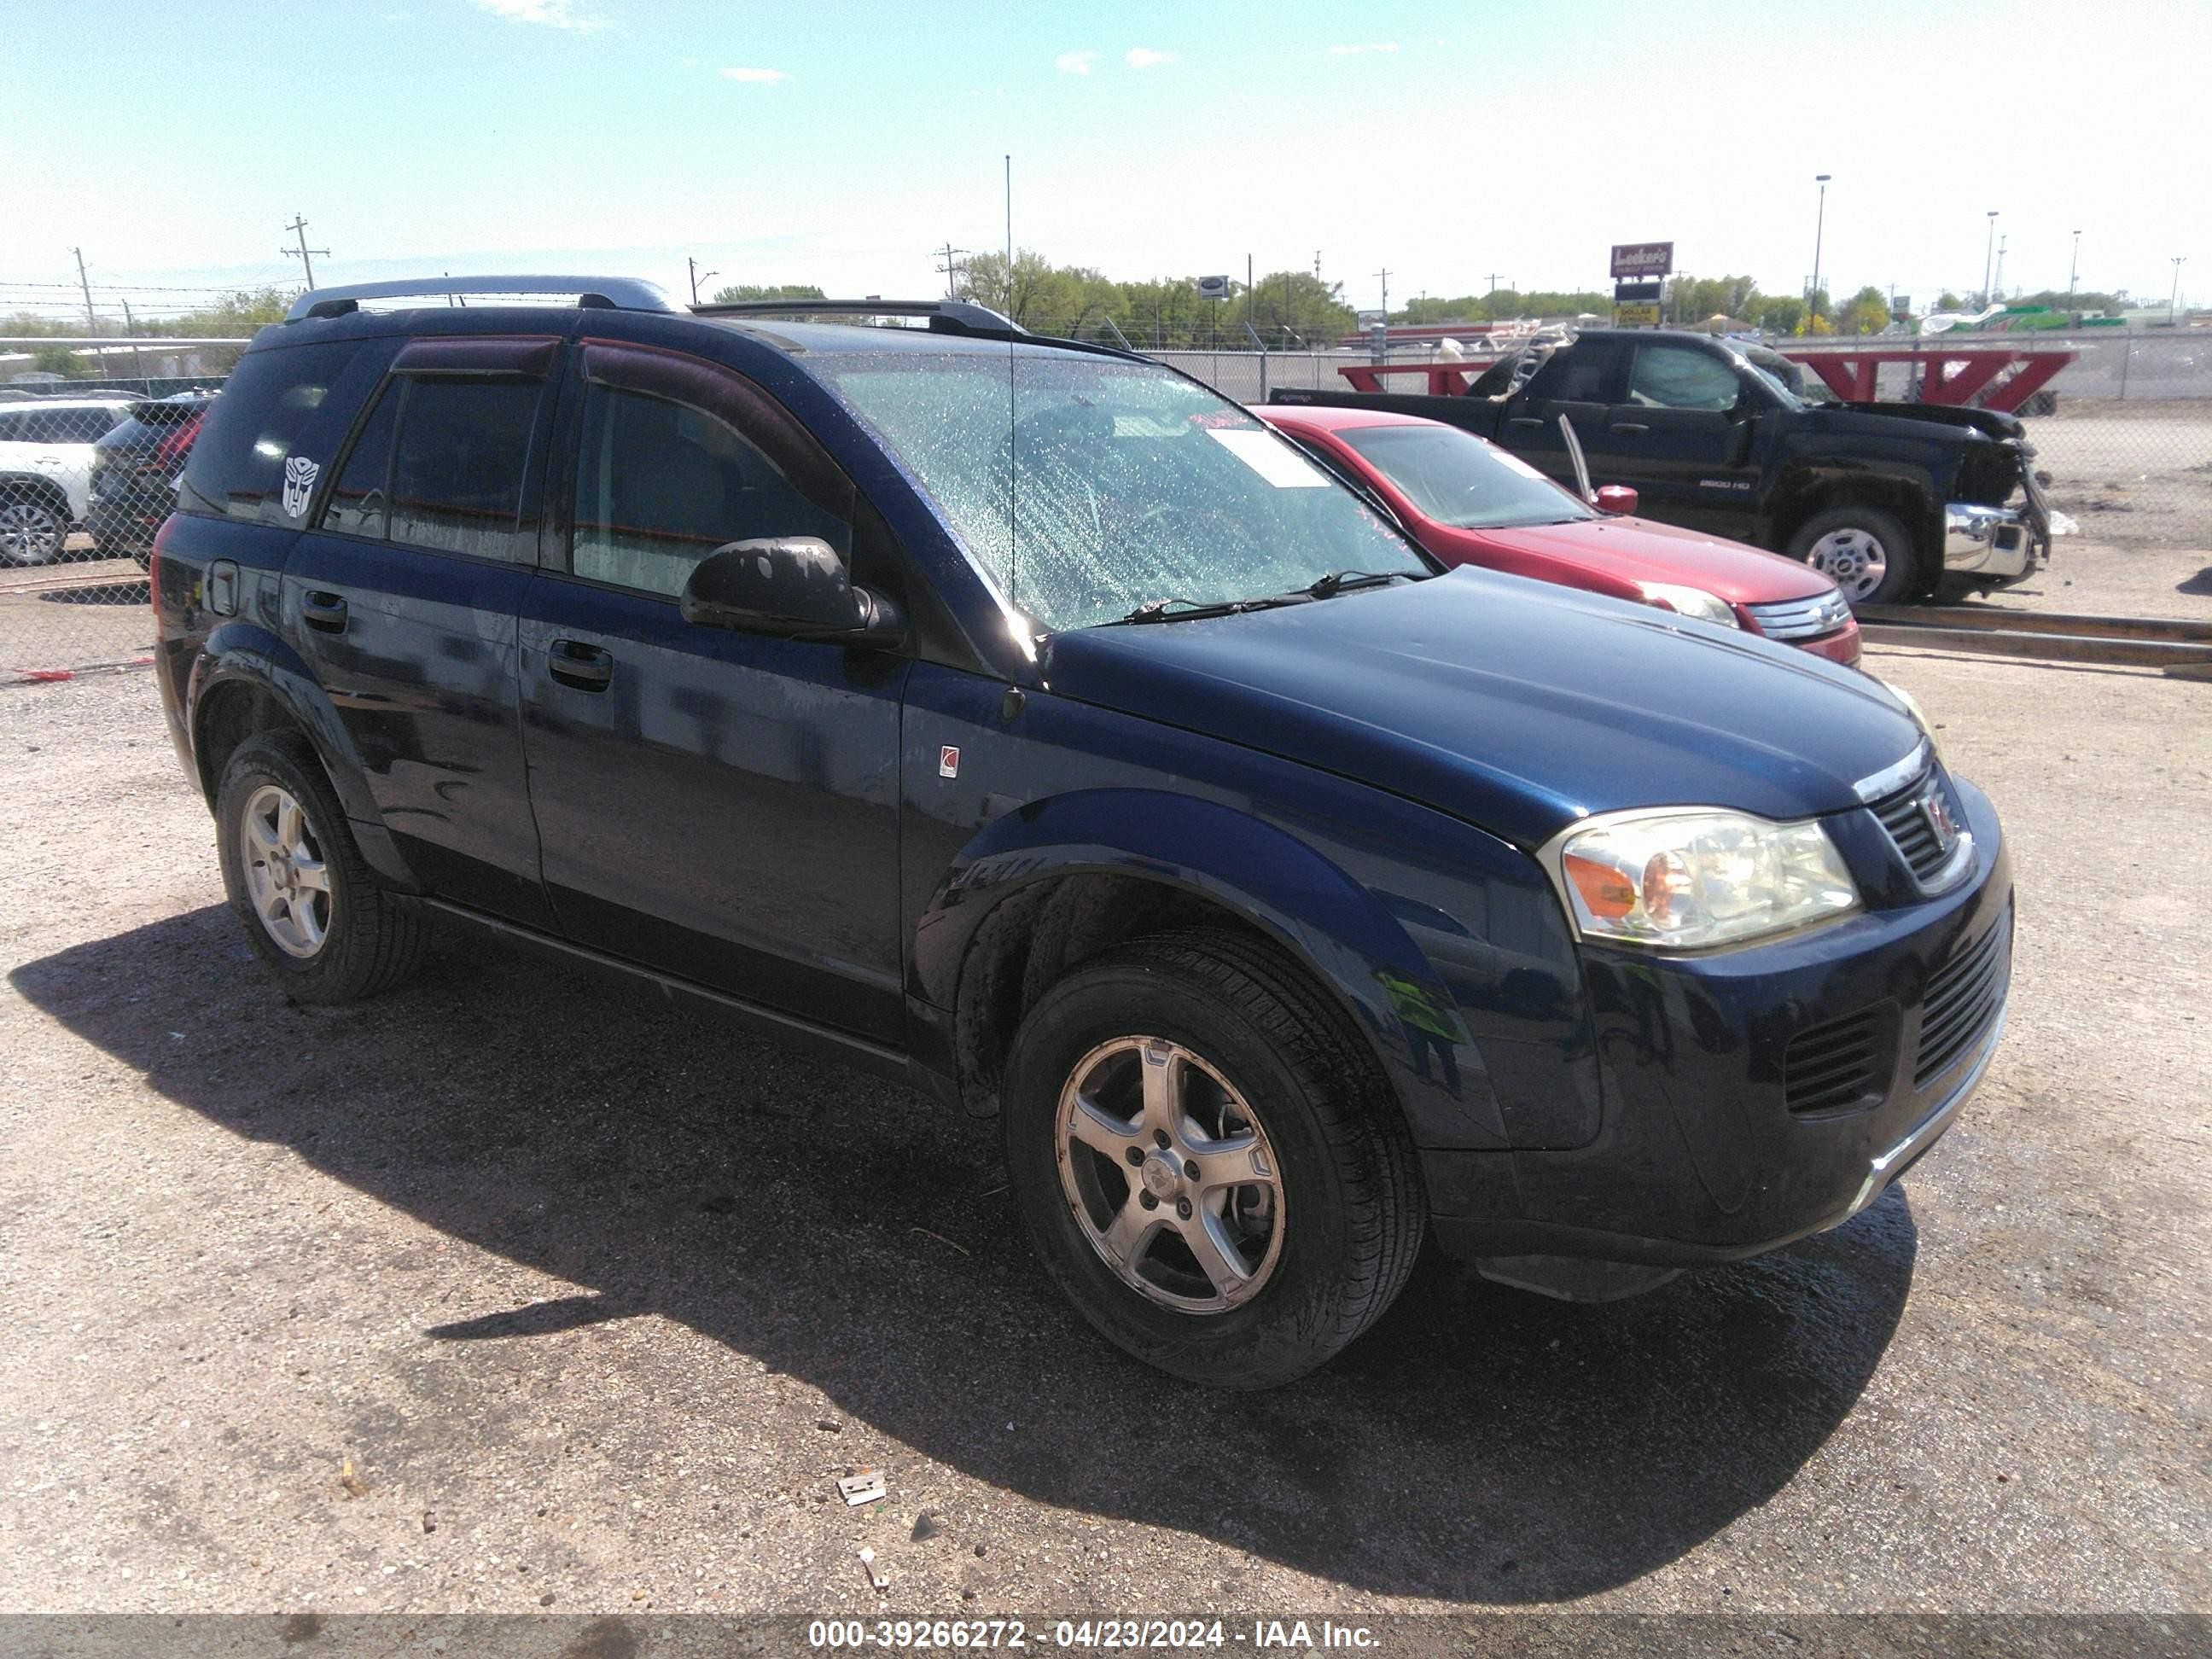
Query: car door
x=1680, y=434
x=718, y=805
x=404, y=595
x=1579, y=381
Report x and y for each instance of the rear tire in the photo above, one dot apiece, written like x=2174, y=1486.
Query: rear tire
x=1305, y=1215
x=1868, y=553
x=311, y=909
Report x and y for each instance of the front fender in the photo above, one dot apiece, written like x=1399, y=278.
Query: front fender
x=1328, y=920
x=241, y=654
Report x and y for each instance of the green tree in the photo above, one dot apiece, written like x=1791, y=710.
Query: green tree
x=1777, y=314
x=740, y=293
x=1296, y=307
x=1865, y=313
x=1693, y=299
x=237, y=313
x=1948, y=301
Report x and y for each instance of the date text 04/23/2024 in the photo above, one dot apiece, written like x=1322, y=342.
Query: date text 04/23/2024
x=1088, y=1634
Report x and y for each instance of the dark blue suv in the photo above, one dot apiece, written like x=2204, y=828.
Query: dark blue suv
x=1022, y=719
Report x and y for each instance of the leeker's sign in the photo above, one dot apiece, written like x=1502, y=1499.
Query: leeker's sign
x=1643, y=260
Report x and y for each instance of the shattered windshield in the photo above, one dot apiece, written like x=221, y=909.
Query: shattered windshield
x=1089, y=487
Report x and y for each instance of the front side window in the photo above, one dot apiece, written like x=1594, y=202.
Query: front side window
x=1676, y=377
x=457, y=466
x=1086, y=488
x=1456, y=479
x=69, y=426
x=238, y=462
x=661, y=485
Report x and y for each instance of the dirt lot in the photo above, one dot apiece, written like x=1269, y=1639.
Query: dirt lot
x=520, y=1289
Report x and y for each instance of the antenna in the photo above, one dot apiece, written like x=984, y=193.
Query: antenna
x=303, y=253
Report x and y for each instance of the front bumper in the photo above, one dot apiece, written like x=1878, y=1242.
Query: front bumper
x=1699, y=1159
x=1991, y=541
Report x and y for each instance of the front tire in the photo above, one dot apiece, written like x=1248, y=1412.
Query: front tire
x=1868, y=553
x=1210, y=1168
x=311, y=908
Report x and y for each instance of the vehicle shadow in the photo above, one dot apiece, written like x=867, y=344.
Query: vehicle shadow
x=1479, y=1445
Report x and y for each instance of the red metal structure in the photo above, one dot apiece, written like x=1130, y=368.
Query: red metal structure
x=1949, y=374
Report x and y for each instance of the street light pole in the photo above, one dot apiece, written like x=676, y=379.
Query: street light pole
x=2002, y=240
x=2173, y=297
x=1989, y=254
x=2074, y=270
x=1819, y=224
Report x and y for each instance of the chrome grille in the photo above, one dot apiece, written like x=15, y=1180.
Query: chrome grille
x=1963, y=997
x=1801, y=619
x=1906, y=815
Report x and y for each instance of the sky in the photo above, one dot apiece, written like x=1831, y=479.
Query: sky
x=838, y=141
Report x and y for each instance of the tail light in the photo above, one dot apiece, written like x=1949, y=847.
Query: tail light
x=170, y=453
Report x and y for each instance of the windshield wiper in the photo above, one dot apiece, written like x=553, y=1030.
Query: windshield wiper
x=1157, y=610
x=1338, y=581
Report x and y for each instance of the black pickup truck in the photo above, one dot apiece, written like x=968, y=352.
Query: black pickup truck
x=1884, y=498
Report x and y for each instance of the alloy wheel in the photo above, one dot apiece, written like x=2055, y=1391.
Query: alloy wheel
x=287, y=880
x=1170, y=1175
x=29, y=533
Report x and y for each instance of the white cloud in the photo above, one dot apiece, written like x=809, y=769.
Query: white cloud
x=1075, y=63
x=1354, y=52
x=548, y=14
x=1147, y=57
x=757, y=76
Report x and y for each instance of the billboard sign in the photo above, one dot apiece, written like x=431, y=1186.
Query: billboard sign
x=1635, y=316
x=1213, y=287
x=1624, y=292
x=1643, y=260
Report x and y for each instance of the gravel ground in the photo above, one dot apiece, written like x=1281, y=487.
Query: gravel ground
x=518, y=1288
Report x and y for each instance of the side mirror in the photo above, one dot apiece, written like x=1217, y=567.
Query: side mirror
x=1614, y=499
x=791, y=588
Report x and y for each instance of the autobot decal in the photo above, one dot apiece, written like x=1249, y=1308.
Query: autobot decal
x=300, y=475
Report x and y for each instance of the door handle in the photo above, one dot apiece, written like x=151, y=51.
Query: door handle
x=1632, y=430
x=586, y=668
x=1524, y=420
x=323, y=612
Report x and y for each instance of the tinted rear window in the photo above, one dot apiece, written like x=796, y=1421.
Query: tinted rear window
x=456, y=470
x=239, y=461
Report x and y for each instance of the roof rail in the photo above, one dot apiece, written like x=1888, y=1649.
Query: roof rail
x=953, y=316
x=603, y=293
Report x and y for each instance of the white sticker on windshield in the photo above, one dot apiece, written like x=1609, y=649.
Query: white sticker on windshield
x=1517, y=464
x=1271, y=457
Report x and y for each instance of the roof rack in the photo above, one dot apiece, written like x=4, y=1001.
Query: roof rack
x=603, y=293
x=949, y=316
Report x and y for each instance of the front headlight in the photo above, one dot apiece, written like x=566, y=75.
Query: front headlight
x=1687, y=879
x=1689, y=602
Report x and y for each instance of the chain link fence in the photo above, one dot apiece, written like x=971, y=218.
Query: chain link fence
x=88, y=468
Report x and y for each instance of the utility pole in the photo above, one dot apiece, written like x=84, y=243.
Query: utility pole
x=2002, y=240
x=1384, y=274
x=1819, y=224
x=2173, y=298
x=1989, y=253
x=1248, y=293
x=1316, y=265
x=303, y=253
x=1493, y=296
x=2074, y=270
x=698, y=276
x=130, y=327
x=951, y=268
x=83, y=282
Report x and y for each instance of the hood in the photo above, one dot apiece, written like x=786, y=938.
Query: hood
x=1914, y=421
x=1638, y=550
x=1516, y=706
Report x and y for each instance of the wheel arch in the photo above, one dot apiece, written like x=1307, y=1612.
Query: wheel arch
x=1908, y=493
x=1042, y=888
x=247, y=681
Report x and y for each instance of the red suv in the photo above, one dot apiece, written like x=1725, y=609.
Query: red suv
x=1469, y=502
